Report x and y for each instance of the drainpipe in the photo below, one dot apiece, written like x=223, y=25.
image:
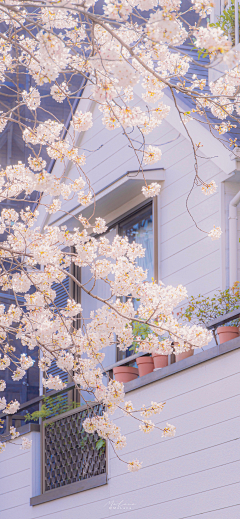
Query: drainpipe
x=233, y=239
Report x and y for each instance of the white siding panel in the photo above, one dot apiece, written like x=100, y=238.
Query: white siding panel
x=192, y=464
x=15, y=481
x=184, y=221
x=18, y=497
x=205, y=284
x=8, y=466
x=194, y=254
x=193, y=485
x=183, y=444
x=196, y=474
x=182, y=188
x=184, y=166
x=190, y=272
x=186, y=238
x=222, y=404
x=183, y=507
x=20, y=511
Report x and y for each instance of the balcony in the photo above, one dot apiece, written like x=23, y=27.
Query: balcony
x=196, y=473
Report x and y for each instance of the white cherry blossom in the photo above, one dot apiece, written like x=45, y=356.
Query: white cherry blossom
x=152, y=155
x=134, y=466
x=26, y=444
x=2, y=446
x=32, y=98
x=169, y=431
x=12, y=407
x=151, y=190
x=2, y=385
x=215, y=233
x=82, y=122
x=209, y=189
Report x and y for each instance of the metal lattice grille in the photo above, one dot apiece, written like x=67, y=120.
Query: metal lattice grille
x=70, y=454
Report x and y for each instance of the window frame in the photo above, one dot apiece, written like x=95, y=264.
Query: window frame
x=155, y=205
x=114, y=224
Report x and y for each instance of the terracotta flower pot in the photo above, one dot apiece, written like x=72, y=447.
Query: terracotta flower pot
x=160, y=361
x=145, y=365
x=125, y=373
x=227, y=333
x=184, y=355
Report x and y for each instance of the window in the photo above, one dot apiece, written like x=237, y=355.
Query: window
x=139, y=228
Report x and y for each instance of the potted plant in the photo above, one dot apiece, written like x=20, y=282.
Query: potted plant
x=202, y=309
x=125, y=373
x=160, y=355
x=147, y=363
x=160, y=360
x=184, y=354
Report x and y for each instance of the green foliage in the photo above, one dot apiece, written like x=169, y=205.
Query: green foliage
x=100, y=443
x=139, y=330
x=226, y=21
x=202, y=309
x=84, y=441
x=51, y=406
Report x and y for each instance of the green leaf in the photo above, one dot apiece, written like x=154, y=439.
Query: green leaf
x=100, y=443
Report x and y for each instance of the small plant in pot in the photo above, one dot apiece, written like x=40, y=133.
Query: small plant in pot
x=145, y=363
x=159, y=358
x=180, y=353
x=125, y=373
x=201, y=310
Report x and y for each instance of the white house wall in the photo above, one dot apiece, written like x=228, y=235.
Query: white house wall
x=195, y=474
x=19, y=478
x=187, y=255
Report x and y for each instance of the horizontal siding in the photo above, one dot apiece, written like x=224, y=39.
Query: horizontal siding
x=190, y=273
x=186, y=239
x=185, y=465
x=20, y=479
x=195, y=253
x=179, y=237
x=8, y=466
x=206, y=284
x=196, y=474
x=183, y=221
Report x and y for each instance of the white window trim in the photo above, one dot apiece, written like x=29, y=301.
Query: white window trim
x=131, y=183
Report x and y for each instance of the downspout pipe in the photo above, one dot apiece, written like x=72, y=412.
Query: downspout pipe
x=233, y=239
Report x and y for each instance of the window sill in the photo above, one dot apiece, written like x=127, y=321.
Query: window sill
x=68, y=490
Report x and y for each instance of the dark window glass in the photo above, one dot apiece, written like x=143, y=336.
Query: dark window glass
x=139, y=228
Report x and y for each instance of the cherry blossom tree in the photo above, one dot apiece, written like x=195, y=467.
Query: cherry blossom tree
x=113, y=46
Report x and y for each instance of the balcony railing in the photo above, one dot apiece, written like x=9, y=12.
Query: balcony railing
x=18, y=419
x=222, y=320
x=69, y=453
